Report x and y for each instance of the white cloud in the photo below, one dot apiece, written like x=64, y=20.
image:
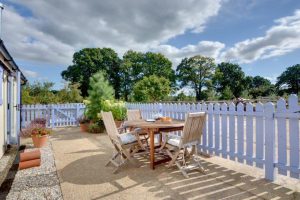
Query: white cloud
x=272, y=78
x=57, y=28
x=205, y=48
x=282, y=38
x=30, y=74
x=28, y=43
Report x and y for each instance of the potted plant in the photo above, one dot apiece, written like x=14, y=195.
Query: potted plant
x=40, y=136
x=84, y=123
x=97, y=127
x=38, y=133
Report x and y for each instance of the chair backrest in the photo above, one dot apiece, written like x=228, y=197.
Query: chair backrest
x=110, y=125
x=134, y=115
x=193, y=127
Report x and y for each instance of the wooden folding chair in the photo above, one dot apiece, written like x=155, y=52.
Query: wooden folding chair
x=133, y=115
x=126, y=144
x=177, y=146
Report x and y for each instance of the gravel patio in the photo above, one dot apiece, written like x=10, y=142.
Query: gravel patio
x=80, y=160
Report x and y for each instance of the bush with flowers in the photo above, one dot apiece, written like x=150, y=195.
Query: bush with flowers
x=118, y=109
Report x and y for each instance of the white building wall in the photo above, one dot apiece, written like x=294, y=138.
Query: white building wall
x=3, y=115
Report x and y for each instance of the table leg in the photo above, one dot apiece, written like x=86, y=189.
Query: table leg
x=152, y=149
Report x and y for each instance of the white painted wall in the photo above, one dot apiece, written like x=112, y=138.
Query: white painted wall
x=3, y=114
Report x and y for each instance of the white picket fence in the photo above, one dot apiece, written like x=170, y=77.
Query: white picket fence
x=261, y=135
x=57, y=115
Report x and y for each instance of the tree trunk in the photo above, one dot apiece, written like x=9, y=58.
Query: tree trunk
x=198, y=94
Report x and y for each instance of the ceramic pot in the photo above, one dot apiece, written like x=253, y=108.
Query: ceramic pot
x=39, y=141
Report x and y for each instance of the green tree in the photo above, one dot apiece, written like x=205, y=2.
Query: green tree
x=226, y=94
x=196, y=72
x=69, y=94
x=152, y=88
x=289, y=80
x=38, y=93
x=87, y=62
x=136, y=65
x=229, y=75
x=260, y=86
x=99, y=91
x=26, y=96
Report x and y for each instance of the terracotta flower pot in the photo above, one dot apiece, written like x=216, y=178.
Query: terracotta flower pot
x=32, y=155
x=118, y=123
x=84, y=127
x=39, y=141
x=29, y=164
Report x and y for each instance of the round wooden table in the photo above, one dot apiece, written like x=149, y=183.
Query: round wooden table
x=153, y=128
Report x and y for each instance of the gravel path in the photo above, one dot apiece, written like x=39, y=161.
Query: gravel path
x=39, y=182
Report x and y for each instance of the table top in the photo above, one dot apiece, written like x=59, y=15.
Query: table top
x=157, y=124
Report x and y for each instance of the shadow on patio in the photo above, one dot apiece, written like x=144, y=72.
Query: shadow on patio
x=80, y=162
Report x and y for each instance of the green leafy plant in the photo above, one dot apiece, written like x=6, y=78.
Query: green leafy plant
x=97, y=127
x=117, y=108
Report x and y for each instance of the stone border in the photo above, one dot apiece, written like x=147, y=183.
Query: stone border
x=38, y=182
x=6, y=162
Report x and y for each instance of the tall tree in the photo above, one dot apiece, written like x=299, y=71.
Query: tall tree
x=289, y=80
x=196, y=72
x=152, y=88
x=87, y=62
x=260, y=86
x=131, y=71
x=231, y=76
x=136, y=65
x=69, y=94
x=39, y=93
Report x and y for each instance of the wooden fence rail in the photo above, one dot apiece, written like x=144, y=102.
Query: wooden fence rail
x=261, y=135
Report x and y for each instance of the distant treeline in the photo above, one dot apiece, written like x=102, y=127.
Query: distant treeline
x=149, y=76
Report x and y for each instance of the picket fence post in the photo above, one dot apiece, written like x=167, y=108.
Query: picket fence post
x=77, y=114
x=294, y=136
x=52, y=116
x=270, y=141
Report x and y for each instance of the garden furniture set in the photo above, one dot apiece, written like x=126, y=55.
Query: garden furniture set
x=132, y=139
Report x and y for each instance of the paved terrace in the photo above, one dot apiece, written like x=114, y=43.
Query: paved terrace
x=80, y=160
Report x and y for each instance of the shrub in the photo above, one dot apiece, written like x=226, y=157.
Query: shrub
x=118, y=109
x=97, y=127
x=99, y=91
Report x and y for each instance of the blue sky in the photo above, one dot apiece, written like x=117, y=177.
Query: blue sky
x=263, y=36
